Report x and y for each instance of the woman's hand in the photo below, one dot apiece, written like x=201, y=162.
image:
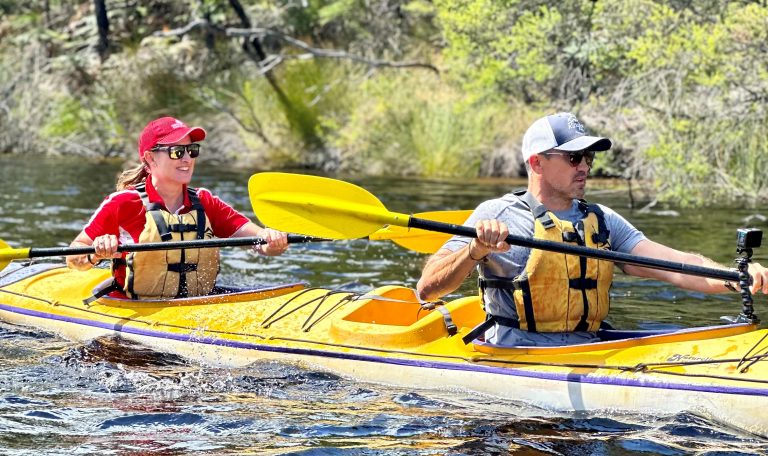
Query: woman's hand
x=105, y=247
x=277, y=242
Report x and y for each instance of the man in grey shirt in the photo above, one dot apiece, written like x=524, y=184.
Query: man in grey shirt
x=548, y=298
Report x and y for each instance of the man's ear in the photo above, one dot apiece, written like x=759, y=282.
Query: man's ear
x=535, y=162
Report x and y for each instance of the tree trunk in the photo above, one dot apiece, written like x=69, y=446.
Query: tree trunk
x=102, y=22
x=296, y=113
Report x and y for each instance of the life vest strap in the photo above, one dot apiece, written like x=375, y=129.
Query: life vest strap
x=490, y=320
x=166, y=230
x=503, y=284
x=182, y=268
x=114, y=286
x=582, y=283
x=522, y=285
x=602, y=235
x=572, y=236
x=197, y=206
x=154, y=209
x=538, y=210
x=183, y=227
x=505, y=321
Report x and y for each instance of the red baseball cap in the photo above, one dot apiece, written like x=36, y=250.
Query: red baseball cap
x=167, y=130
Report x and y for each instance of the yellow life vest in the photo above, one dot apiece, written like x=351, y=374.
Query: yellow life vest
x=558, y=292
x=172, y=273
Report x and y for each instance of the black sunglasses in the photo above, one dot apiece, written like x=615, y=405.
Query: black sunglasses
x=177, y=151
x=574, y=158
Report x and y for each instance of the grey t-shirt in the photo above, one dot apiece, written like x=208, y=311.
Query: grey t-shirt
x=511, y=210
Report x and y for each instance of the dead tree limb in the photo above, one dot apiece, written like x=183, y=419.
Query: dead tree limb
x=310, y=50
x=253, y=49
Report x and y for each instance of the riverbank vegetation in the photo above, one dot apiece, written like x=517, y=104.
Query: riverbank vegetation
x=441, y=88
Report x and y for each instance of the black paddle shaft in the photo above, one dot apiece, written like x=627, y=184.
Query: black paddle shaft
x=689, y=269
x=193, y=244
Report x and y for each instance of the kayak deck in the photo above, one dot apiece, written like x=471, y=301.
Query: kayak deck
x=387, y=336
x=388, y=317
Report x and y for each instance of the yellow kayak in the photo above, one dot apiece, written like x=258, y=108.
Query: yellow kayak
x=387, y=336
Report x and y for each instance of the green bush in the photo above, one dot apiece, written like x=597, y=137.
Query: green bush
x=417, y=124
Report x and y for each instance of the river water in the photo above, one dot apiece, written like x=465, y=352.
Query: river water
x=110, y=397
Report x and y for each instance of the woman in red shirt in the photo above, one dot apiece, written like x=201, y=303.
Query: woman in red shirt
x=153, y=203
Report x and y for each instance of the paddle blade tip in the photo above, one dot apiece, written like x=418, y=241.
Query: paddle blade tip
x=3, y=263
x=316, y=206
x=7, y=254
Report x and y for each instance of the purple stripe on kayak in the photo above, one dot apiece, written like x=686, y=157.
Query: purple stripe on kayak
x=514, y=372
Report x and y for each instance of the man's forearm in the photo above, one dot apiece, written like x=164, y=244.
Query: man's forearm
x=689, y=282
x=445, y=271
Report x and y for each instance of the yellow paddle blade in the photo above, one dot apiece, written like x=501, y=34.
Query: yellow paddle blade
x=318, y=206
x=421, y=241
x=7, y=254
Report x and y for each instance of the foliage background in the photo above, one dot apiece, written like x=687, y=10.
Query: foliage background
x=441, y=88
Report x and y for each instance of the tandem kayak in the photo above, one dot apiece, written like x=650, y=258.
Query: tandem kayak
x=387, y=336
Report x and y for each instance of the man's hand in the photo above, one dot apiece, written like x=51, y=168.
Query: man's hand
x=491, y=235
x=759, y=278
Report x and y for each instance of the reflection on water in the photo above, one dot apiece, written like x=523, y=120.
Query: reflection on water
x=111, y=397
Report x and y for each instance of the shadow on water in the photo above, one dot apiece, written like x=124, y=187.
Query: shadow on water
x=110, y=396
x=115, y=350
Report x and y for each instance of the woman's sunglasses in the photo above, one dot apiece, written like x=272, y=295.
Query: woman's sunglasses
x=176, y=152
x=574, y=158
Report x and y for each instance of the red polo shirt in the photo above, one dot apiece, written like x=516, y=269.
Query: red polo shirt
x=122, y=214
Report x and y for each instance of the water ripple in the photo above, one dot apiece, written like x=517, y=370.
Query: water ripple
x=153, y=419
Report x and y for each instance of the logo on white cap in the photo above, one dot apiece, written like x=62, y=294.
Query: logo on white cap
x=574, y=124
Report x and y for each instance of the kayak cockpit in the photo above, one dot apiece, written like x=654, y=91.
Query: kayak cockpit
x=221, y=294
x=394, y=316
x=98, y=278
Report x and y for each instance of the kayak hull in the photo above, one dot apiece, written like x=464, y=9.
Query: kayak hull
x=386, y=337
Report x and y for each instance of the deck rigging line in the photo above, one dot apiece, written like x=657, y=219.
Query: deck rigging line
x=269, y=320
x=746, y=365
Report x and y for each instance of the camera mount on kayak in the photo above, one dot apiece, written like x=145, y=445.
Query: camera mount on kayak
x=746, y=240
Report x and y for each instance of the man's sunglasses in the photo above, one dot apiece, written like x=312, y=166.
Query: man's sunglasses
x=574, y=158
x=176, y=152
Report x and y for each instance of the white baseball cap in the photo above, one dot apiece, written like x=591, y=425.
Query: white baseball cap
x=561, y=131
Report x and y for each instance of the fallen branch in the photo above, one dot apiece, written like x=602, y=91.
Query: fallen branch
x=276, y=60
